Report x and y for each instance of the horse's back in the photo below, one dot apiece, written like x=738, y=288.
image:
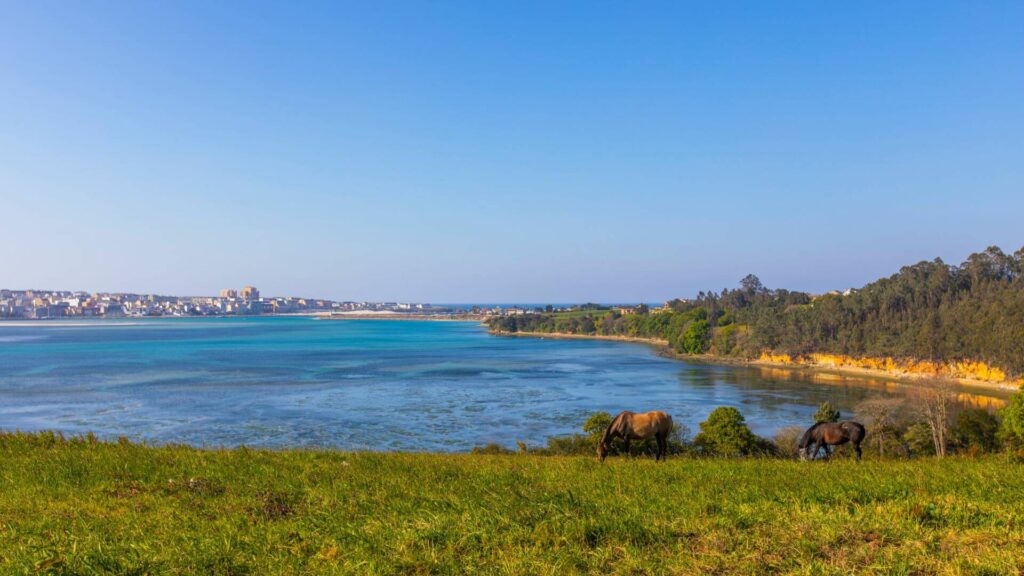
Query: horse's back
x=856, y=430
x=653, y=422
x=835, y=433
x=664, y=420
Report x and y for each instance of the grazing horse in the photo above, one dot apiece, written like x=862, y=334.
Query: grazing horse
x=631, y=426
x=831, y=434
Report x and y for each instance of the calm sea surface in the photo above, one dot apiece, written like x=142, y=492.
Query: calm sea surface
x=386, y=384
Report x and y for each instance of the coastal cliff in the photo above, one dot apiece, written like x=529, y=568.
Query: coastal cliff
x=929, y=320
x=966, y=372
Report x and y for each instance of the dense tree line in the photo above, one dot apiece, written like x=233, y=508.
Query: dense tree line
x=927, y=311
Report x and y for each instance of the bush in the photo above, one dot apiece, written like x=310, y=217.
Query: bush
x=596, y=425
x=918, y=439
x=976, y=430
x=787, y=438
x=571, y=445
x=885, y=419
x=724, y=340
x=826, y=413
x=725, y=433
x=492, y=448
x=1011, y=429
x=694, y=339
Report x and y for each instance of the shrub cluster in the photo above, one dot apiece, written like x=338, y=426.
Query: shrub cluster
x=897, y=428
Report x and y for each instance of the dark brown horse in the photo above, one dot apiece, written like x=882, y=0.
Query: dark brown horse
x=825, y=434
x=630, y=426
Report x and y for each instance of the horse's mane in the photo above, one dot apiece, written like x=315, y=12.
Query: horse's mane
x=606, y=437
x=806, y=438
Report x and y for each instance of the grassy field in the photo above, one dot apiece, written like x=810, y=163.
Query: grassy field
x=83, y=508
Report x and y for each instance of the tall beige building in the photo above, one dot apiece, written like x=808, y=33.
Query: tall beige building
x=250, y=293
x=228, y=293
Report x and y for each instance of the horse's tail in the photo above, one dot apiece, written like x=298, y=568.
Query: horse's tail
x=858, y=431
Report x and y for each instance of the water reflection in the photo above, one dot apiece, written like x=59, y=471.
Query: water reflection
x=965, y=395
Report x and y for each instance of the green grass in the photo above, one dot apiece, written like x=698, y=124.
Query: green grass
x=83, y=508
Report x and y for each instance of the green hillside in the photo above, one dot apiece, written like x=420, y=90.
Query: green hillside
x=929, y=311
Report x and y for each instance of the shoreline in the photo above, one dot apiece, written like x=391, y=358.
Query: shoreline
x=99, y=320
x=77, y=319
x=401, y=316
x=661, y=349
x=564, y=336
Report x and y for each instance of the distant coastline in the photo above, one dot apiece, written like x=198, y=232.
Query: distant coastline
x=359, y=315
x=662, y=349
x=404, y=316
x=99, y=320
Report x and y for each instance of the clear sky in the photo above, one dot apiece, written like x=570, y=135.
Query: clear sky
x=503, y=151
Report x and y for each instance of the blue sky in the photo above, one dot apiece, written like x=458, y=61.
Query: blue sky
x=503, y=151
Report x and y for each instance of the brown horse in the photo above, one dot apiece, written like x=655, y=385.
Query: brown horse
x=831, y=434
x=631, y=426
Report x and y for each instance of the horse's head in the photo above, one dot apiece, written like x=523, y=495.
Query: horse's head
x=806, y=440
x=602, y=451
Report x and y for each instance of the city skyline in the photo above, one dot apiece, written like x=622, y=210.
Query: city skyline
x=486, y=153
x=45, y=304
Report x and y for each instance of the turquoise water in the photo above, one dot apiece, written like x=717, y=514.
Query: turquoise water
x=386, y=385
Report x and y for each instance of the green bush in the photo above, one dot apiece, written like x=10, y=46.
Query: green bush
x=918, y=440
x=1011, y=429
x=976, y=430
x=826, y=413
x=725, y=433
x=694, y=340
x=724, y=340
x=492, y=448
x=597, y=424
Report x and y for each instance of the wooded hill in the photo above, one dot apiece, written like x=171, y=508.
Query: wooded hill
x=929, y=311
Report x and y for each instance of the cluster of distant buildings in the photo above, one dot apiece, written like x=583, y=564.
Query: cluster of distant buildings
x=55, y=304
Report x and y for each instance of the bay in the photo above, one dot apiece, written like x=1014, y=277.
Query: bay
x=367, y=384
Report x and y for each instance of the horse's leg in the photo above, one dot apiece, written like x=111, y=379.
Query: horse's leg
x=625, y=442
x=856, y=448
x=661, y=447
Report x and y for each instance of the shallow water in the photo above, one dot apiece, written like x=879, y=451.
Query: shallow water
x=384, y=384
